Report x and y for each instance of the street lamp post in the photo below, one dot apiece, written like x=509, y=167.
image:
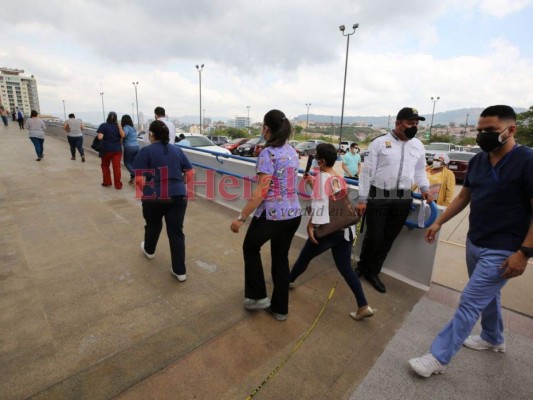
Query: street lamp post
x=342, y=28
x=136, y=102
x=248, y=120
x=64, y=110
x=200, y=69
x=103, y=110
x=466, y=123
x=434, y=100
x=307, y=123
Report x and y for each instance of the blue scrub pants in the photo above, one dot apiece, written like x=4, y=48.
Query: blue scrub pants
x=481, y=296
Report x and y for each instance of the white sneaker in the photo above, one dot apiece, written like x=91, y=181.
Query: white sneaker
x=148, y=255
x=260, y=304
x=477, y=343
x=181, y=278
x=426, y=365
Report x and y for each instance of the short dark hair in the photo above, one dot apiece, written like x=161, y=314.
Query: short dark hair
x=71, y=115
x=326, y=152
x=159, y=111
x=126, y=120
x=353, y=145
x=159, y=131
x=182, y=136
x=34, y=113
x=501, y=111
x=280, y=128
x=112, y=117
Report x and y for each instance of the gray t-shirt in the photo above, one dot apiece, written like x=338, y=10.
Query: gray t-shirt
x=74, y=125
x=36, y=127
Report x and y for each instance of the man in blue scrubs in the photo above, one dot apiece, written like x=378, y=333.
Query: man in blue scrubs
x=499, y=189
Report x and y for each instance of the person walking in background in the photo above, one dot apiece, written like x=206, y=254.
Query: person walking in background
x=441, y=180
x=395, y=161
x=131, y=146
x=499, y=188
x=4, y=114
x=14, y=115
x=36, y=127
x=339, y=242
x=160, y=115
x=351, y=162
x=276, y=218
x=111, y=138
x=74, y=127
x=162, y=173
x=20, y=118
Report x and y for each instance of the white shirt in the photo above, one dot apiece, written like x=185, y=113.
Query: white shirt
x=171, y=129
x=320, y=203
x=393, y=164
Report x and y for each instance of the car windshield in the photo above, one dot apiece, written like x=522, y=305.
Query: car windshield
x=438, y=146
x=199, y=141
x=461, y=156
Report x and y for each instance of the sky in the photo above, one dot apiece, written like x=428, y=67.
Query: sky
x=279, y=54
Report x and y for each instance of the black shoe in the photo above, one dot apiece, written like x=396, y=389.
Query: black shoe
x=376, y=283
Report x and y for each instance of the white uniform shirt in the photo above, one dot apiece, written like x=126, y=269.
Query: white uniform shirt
x=393, y=164
x=171, y=129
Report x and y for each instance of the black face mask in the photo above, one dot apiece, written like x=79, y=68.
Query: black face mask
x=410, y=132
x=490, y=140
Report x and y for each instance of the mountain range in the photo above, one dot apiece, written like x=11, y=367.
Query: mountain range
x=459, y=117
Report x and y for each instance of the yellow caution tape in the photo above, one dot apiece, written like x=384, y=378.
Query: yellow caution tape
x=297, y=346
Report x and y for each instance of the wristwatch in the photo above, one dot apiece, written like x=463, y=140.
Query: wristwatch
x=240, y=218
x=528, y=251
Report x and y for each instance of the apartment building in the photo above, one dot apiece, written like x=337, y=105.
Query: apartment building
x=17, y=90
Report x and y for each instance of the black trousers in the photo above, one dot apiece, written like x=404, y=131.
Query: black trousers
x=76, y=143
x=384, y=221
x=280, y=234
x=174, y=213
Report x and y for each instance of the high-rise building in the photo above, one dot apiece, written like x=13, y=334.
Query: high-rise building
x=18, y=91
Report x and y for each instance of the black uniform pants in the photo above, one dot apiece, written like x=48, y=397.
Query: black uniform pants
x=384, y=221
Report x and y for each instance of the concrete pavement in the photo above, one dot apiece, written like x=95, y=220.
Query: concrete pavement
x=83, y=314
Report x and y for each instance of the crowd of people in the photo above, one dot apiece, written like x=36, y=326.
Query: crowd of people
x=498, y=188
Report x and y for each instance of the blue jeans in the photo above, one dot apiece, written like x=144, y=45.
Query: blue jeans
x=76, y=143
x=39, y=146
x=481, y=296
x=174, y=213
x=129, y=155
x=342, y=254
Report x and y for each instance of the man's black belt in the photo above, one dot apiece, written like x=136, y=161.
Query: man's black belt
x=377, y=193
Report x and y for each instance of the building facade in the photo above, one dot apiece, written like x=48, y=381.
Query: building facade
x=19, y=91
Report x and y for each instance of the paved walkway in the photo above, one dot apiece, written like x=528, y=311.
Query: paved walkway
x=83, y=314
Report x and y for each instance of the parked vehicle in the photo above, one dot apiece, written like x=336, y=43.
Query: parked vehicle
x=345, y=145
x=218, y=140
x=459, y=163
x=294, y=143
x=306, y=148
x=247, y=149
x=438, y=147
x=233, y=144
x=204, y=143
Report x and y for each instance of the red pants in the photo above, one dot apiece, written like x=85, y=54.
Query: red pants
x=112, y=158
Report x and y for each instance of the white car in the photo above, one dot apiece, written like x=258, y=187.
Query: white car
x=203, y=143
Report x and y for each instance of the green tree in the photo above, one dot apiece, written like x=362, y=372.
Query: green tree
x=524, y=133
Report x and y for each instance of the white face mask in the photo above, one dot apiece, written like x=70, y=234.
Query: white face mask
x=436, y=164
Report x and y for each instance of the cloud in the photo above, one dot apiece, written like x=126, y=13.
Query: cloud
x=502, y=8
x=274, y=54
